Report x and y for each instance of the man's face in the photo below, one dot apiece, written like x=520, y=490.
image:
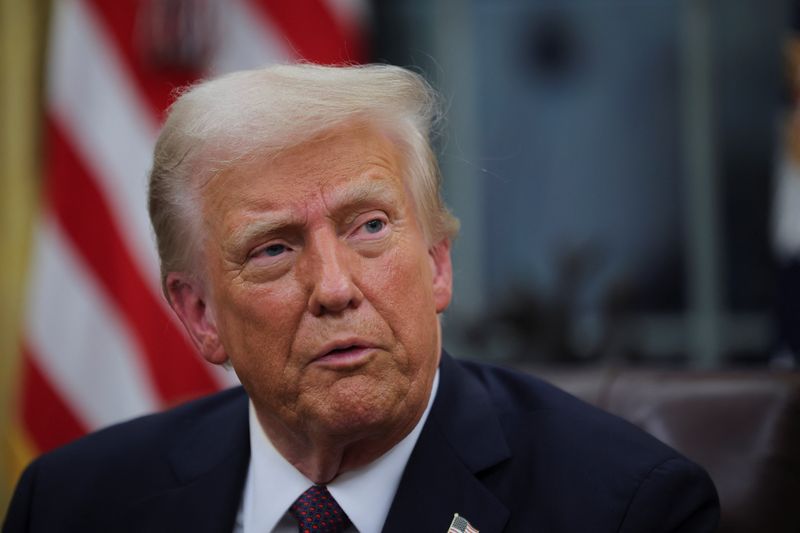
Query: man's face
x=321, y=289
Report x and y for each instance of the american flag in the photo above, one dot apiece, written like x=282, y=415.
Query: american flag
x=461, y=525
x=99, y=343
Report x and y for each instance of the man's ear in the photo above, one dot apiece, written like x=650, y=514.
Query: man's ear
x=442, y=274
x=188, y=299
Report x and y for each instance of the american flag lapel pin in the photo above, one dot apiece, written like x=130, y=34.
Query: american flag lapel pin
x=461, y=525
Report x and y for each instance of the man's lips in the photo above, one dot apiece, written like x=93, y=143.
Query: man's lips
x=345, y=352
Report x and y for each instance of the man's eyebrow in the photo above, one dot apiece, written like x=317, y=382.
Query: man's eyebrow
x=366, y=192
x=241, y=237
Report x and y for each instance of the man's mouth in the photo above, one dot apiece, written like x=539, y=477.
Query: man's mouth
x=345, y=349
x=344, y=353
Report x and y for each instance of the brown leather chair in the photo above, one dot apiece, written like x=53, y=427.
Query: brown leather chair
x=743, y=427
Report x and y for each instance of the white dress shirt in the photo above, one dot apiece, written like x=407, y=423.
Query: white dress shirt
x=366, y=494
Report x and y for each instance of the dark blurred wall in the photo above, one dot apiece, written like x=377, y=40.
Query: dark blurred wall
x=567, y=160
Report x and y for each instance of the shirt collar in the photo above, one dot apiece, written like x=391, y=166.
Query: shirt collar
x=365, y=494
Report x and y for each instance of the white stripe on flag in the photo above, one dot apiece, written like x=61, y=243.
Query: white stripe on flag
x=247, y=40
x=112, y=128
x=78, y=337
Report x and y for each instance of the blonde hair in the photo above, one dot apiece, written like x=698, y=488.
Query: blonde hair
x=217, y=123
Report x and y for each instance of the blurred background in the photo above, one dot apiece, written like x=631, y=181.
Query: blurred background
x=627, y=175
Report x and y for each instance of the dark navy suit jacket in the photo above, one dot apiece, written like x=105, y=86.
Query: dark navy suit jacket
x=506, y=451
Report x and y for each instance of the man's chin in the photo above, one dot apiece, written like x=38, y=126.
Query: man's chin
x=354, y=409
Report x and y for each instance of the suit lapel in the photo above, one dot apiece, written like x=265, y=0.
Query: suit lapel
x=209, y=462
x=461, y=438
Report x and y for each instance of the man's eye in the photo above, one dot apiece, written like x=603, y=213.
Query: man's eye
x=374, y=226
x=274, y=249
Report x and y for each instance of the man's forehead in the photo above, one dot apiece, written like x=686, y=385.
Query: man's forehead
x=279, y=186
x=349, y=147
x=350, y=167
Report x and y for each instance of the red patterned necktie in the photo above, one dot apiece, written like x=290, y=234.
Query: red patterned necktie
x=317, y=512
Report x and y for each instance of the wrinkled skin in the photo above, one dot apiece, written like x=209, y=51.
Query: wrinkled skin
x=321, y=290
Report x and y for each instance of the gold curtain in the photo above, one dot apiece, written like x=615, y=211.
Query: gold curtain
x=23, y=29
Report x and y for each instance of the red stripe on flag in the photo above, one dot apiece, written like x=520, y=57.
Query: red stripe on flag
x=313, y=31
x=81, y=210
x=122, y=19
x=47, y=419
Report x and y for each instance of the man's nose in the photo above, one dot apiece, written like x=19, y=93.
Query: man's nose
x=332, y=286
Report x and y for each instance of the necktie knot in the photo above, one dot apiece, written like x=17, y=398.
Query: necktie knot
x=317, y=512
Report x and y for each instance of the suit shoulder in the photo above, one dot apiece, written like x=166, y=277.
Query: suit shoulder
x=530, y=408
x=615, y=472
x=94, y=481
x=515, y=391
x=144, y=437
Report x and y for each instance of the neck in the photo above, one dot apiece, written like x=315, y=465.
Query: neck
x=322, y=458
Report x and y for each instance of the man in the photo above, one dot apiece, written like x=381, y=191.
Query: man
x=304, y=243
